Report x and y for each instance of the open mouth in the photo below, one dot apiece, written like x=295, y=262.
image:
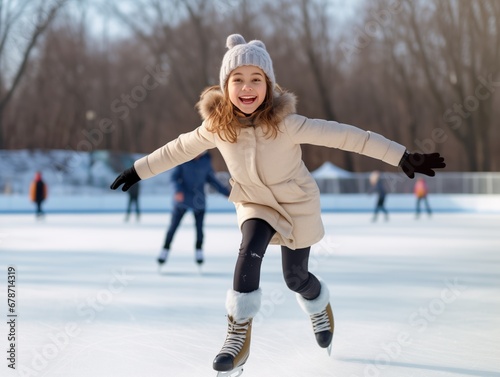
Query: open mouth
x=248, y=100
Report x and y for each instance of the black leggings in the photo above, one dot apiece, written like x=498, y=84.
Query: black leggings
x=256, y=235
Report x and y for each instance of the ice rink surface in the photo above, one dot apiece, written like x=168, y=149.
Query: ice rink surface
x=411, y=298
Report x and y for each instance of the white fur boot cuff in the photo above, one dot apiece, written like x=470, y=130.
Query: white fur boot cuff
x=243, y=305
x=318, y=304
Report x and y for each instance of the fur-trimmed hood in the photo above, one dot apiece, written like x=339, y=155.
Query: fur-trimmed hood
x=284, y=103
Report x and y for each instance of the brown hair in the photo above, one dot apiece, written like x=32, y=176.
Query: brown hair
x=223, y=120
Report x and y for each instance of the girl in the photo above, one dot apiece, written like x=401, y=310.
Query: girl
x=254, y=125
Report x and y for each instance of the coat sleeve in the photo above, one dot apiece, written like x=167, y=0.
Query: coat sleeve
x=332, y=134
x=214, y=182
x=186, y=147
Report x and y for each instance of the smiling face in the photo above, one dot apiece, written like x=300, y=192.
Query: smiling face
x=247, y=88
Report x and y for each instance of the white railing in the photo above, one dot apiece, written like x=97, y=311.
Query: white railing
x=442, y=183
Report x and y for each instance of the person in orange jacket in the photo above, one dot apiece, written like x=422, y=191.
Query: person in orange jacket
x=38, y=193
x=420, y=190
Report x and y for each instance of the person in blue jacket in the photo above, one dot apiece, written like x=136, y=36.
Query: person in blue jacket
x=190, y=179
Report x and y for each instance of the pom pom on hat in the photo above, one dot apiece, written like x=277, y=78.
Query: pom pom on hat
x=234, y=40
x=241, y=53
x=257, y=43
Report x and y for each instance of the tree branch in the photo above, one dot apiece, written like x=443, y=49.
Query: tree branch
x=39, y=30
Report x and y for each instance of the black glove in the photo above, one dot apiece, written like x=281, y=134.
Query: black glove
x=412, y=163
x=129, y=177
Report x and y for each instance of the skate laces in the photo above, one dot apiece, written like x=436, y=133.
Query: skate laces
x=321, y=322
x=236, y=336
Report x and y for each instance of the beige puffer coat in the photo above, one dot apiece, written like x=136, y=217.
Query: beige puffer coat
x=268, y=177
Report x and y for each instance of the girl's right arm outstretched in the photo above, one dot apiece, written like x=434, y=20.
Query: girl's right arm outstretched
x=184, y=148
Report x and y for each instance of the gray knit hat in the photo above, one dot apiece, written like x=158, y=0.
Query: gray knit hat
x=241, y=53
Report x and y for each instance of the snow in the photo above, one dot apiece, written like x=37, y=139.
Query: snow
x=68, y=172
x=411, y=298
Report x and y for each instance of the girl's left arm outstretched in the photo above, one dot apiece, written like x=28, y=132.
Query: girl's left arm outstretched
x=349, y=138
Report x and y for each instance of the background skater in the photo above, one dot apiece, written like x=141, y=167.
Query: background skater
x=189, y=180
x=378, y=185
x=38, y=193
x=133, y=200
x=421, y=191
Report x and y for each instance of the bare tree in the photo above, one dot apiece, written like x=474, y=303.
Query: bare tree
x=316, y=29
x=33, y=19
x=302, y=43
x=179, y=34
x=456, y=45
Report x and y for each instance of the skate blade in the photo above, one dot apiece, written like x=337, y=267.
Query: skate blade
x=162, y=269
x=329, y=349
x=231, y=373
